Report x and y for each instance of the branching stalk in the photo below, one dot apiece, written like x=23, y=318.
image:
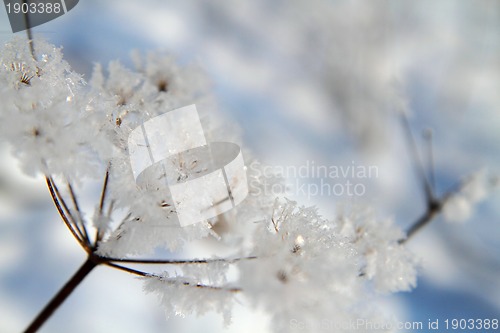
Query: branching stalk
x=62, y=214
x=187, y=284
x=81, y=222
x=178, y=262
x=100, y=234
x=419, y=168
x=432, y=211
x=28, y=29
x=61, y=296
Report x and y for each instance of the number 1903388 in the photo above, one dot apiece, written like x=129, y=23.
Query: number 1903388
x=34, y=8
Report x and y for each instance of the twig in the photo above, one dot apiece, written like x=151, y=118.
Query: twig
x=104, y=190
x=127, y=269
x=62, y=214
x=99, y=234
x=177, y=262
x=61, y=296
x=419, y=168
x=430, y=158
x=28, y=30
x=69, y=214
x=187, y=284
x=434, y=207
x=425, y=219
x=80, y=216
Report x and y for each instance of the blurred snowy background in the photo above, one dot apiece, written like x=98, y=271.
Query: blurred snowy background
x=319, y=80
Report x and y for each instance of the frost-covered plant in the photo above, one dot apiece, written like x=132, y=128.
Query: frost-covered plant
x=289, y=260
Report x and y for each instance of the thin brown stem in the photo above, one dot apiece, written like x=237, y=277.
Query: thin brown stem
x=79, y=214
x=99, y=233
x=428, y=135
x=434, y=208
x=62, y=214
x=177, y=262
x=421, y=222
x=69, y=215
x=28, y=30
x=187, y=284
x=62, y=295
x=104, y=191
x=127, y=269
x=419, y=168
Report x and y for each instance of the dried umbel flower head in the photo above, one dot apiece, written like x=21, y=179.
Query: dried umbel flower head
x=25, y=73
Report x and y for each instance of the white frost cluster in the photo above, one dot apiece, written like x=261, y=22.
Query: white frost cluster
x=44, y=112
x=311, y=269
x=59, y=125
x=199, y=289
x=387, y=263
x=156, y=86
x=303, y=270
x=293, y=263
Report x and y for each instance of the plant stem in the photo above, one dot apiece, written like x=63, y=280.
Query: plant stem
x=28, y=30
x=61, y=296
x=433, y=210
